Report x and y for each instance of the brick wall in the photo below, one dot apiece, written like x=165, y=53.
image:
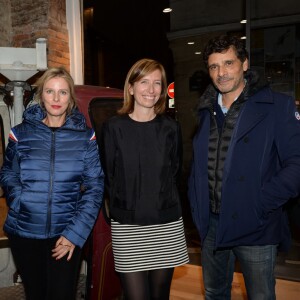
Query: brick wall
x=28, y=20
x=5, y=24
x=58, y=39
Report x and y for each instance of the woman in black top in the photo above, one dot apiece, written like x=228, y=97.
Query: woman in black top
x=142, y=160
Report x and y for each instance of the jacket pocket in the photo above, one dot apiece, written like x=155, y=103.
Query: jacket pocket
x=14, y=199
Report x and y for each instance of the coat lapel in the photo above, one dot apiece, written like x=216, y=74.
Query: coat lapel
x=253, y=112
x=256, y=109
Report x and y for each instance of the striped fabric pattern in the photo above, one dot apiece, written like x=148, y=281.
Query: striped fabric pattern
x=141, y=248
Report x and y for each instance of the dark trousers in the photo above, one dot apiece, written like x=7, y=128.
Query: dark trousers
x=44, y=277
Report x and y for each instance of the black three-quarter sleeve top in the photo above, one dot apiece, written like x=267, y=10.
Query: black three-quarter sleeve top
x=142, y=161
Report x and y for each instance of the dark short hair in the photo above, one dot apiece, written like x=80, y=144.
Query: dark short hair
x=222, y=43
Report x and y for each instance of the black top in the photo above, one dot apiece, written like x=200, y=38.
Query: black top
x=142, y=161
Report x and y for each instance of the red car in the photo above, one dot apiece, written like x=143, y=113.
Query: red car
x=98, y=104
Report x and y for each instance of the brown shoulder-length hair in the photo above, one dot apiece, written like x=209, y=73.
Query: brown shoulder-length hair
x=53, y=73
x=139, y=70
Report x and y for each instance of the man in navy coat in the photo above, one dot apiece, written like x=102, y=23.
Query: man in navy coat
x=245, y=169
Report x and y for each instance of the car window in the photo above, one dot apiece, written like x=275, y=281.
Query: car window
x=101, y=109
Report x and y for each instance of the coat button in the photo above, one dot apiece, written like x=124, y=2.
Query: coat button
x=246, y=139
x=234, y=216
x=241, y=178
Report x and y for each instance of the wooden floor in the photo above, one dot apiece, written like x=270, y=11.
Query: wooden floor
x=187, y=284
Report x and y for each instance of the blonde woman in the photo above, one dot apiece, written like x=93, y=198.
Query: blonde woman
x=53, y=184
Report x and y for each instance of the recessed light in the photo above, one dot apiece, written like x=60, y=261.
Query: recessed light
x=243, y=22
x=198, y=52
x=191, y=43
x=243, y=37
x=167, y=10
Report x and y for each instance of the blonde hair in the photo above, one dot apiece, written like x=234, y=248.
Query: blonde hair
x=140, y=69
x=53, y=73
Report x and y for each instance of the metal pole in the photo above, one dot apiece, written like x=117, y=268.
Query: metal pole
x=18, y=104
x=248, y=25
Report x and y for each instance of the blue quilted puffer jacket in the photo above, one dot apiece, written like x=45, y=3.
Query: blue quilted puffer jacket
x=52, y=178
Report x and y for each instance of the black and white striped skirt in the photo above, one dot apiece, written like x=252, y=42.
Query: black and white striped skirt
x=141, y=248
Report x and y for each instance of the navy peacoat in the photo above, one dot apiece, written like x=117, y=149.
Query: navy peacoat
x=261, y=173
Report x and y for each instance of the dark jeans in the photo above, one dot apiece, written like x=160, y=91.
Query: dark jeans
x=44, y=277
x=257, y=264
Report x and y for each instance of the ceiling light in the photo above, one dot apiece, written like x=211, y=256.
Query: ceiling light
x=243, y=22
x=198, y=52
x=167, y=10
x=191, y=43
x=243, y=37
